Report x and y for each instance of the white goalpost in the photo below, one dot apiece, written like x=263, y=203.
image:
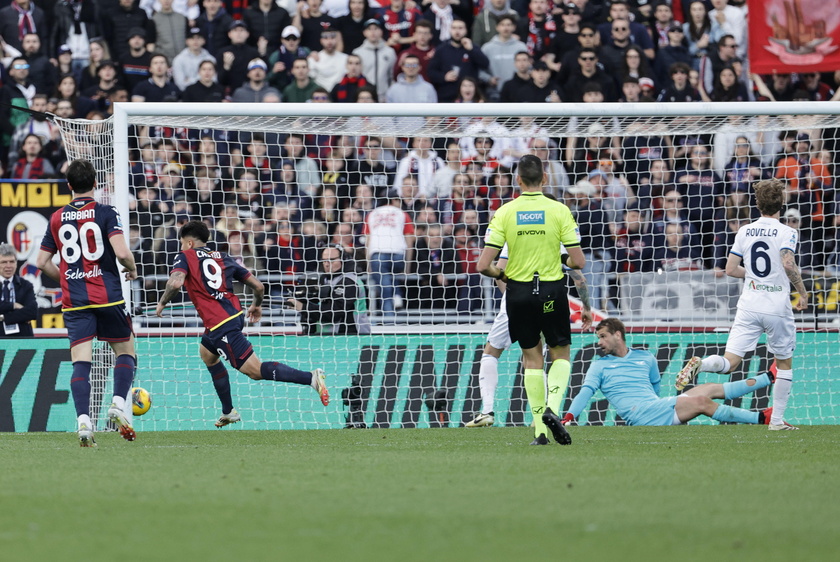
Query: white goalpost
x=657, y=189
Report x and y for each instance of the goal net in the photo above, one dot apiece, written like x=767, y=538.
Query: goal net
x=365, y=223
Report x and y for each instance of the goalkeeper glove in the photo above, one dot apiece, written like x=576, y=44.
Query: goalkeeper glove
x=568, y=419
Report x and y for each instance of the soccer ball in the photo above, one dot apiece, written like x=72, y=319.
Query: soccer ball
x=141, y=401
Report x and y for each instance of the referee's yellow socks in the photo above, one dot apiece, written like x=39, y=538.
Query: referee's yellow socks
x=558, y=381
x=535, y=389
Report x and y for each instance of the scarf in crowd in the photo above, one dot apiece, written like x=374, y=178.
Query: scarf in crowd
x=25, y=22
x=345, y=91
x=443, y=21
x=539, y=39
x=26, y=170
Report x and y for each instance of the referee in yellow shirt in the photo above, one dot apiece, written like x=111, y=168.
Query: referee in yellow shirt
x=534, y=227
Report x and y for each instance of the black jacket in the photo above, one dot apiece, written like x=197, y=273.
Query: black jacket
x=25, y=295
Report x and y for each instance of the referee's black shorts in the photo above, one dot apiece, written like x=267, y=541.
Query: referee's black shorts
x=530, y=315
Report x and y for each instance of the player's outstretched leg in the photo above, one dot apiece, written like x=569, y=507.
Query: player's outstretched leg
x=553, y=422
x=319, y=383
x=229, y=418
x=688, y=372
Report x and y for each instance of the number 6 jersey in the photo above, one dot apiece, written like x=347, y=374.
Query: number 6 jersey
x=766, y=285
x=209, y=283
x=80, y=233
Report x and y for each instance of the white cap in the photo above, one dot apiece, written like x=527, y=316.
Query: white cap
x=290, y=30
x=583, y=187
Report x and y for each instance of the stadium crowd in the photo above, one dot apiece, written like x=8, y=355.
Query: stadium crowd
x=644, y=203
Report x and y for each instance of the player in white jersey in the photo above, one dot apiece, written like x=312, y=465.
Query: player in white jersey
x=498, y=340
x=764, y=256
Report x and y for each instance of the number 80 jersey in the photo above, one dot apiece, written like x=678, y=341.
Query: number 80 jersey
x=80, y=233
x=766, y=285
x=209, y=283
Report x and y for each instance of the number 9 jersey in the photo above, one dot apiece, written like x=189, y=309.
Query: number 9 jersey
x=766, y=285
x=80, y=232
x=209, y=283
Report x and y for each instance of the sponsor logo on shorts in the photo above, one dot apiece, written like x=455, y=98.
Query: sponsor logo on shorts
x=548, y=307
x=530, y=217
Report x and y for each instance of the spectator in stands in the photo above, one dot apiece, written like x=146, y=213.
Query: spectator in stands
x=675, y=51
x=256, y=88
x=281, y=251
x=31, y=165
x=620, y=10
x=780, y=87
x=20, y=19
x=612, y=52
x=711, y=64
x=310, y=20
x=42, y=73
x=352, y=25
x=121, y=21
x=455, y=59
x=653, y=183
x=635, y=64
x=98, y=51
x=469, y=91
x=437, y=265
x=501, y=50
x=16, y=92
x=37, y=124
x=421, y=162
x=660, y=24
x=282, y=60
x=390, y=247
x=108, y=83
x=301, y=89
x=811, y=83
x=566, y=39
x=346, y=90
x=512, y=89
x=537, y=29
x=370, y=170
x=485, y=25
x=256, y=159
x=328, y=65
x=674, y=253
x=135, y=62
x=170, y=29
x=468, y=250
x=589, y=72
x=73, y=23
x=306, y=170
x=734, y=217
x=266, y=21
x=214, y=23
x=247, y=196
x=592, y=225
x=186, y=64
x=743, y=169
x=700, y=32
x=236, y=57
x=158, y=87
x=207, y=197
x=377, y=58
x=587, y=39
x=727, y=87
x=421, y=47
x=440, y=13
x=207, y=89
x=670, y=209
x=634, y=242
x=398, y=19
x=614, y=191
x=679, y=90
x=732, y=21
x=410, y=86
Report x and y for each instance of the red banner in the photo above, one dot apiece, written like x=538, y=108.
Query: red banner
x=794, y=36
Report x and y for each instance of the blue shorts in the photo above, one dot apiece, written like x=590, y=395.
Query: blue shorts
x=85, y=324
x=229, y=342
x=654, y=412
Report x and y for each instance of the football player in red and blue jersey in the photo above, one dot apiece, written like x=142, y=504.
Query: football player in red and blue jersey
x=208, y=275
x=89, y=238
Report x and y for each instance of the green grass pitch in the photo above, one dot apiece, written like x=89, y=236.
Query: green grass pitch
x=618, y=493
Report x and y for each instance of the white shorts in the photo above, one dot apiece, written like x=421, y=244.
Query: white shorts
x=748, y=327
x=499, y=335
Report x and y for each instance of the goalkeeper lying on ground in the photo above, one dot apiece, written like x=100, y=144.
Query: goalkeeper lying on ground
x=630, y=378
